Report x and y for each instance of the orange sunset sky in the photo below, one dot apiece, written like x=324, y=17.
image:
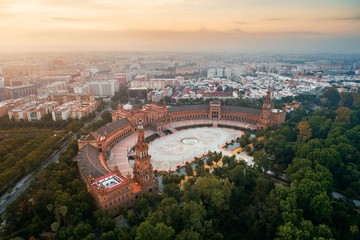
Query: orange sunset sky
x=181, y=25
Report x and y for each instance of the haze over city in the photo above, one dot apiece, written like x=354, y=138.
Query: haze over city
x=315, y=26
x=180, y=119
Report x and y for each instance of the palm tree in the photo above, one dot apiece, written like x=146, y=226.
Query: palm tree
x=63, y=211
x=50, y=207
x=55, y=226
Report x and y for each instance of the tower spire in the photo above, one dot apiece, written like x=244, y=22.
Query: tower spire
x=140, y=130
x=143, y=171
x=267, y=101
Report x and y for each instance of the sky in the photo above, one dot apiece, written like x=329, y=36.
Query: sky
x=290, y=26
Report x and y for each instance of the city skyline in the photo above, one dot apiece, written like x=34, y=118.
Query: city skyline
x=247, y=26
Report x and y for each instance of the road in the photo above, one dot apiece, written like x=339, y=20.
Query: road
x=98, y=116
x=25, y=181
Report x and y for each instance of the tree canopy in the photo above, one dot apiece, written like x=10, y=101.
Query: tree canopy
x=287, y=194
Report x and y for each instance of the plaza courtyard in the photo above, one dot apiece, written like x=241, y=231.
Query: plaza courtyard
x=176, y=149
x=170, y=151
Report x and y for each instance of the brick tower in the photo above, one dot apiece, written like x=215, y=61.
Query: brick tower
x=143, y=170
x=266, y=111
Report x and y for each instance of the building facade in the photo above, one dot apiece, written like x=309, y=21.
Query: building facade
x=104, y=88
x=19, y=91
x=63, y=98
x=111, y=189
x=154, y=115
x=122, y=189
x=73, y=109
x=52, y=88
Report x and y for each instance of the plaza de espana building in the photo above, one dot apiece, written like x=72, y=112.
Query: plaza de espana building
x=113, y=189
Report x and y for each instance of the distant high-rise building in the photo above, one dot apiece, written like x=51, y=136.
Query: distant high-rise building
x=20, y=91
x=82, y=89
x=228, y=72
x=2, y=94
x=211, y=73
x=219, y=72
x=104, y=88
x=2, y=81
x=121, y=79
x=104, y=67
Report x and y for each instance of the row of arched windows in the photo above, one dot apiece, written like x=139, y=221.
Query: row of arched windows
x=182, y=116
x=122, y=134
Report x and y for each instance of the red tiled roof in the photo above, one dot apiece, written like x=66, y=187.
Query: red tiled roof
x=121, y=177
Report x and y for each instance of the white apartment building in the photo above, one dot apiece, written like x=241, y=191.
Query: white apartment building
x=82, y=109
x=62, y=112
x=20, y=113
x=152, y=84
x=219, y=72
x=53, y=88
x=41, y=110
x=228, y=72
x=2, y=81
x=211, y=73
x=104, y=88
x=82, y=89
x=73, y=109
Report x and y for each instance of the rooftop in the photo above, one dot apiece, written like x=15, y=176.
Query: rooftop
x=109, y=181
x=89, y=164
x=110, y=127
x=19, y=87
x=241, y=109
x=188, y=108
x=138, y=88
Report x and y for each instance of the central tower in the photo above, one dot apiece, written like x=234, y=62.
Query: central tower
x=143, y=170
x=265, y=117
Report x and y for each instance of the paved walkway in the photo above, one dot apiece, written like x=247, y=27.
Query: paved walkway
x=248, y=159
x=167, y=154
x=118, y=154
x=183, y=146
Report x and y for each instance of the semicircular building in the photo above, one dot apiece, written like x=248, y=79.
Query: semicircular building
x=114, y=190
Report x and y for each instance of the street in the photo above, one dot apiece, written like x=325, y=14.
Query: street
x=25, y=181
x=20, y=186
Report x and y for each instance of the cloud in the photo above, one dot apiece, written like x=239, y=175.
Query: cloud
x=203, y=34
x=240, y=22
x=352, y=18
x=194, y=41
x=4, y=15
x=67, y=19
x=276, y=19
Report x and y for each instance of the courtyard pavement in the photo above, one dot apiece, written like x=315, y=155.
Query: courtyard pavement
x=118, y=154
x=168, y=151
x=176, y=149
